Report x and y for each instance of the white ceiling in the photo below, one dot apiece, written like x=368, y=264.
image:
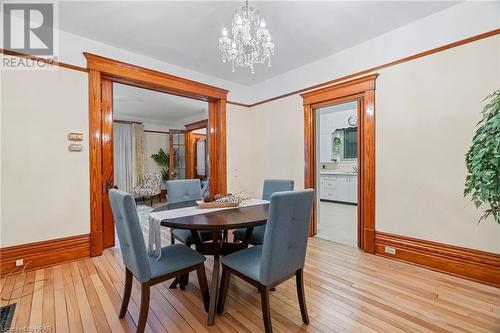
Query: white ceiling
x=132, y=103
x=186, y=33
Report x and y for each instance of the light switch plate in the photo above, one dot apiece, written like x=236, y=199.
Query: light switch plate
x=75, y=147
x=75, y=136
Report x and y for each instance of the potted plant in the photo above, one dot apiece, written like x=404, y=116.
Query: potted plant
x=162, y=158
x=483, y=161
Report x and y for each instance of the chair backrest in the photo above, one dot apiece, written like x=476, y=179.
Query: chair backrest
x=151, y=181
x=276, y=185
x=132, y=245
x=285, y=239
x=183, y=190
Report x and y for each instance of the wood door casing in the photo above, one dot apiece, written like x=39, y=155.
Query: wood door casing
x=101, y=69
x=191, y=154
x=108, y=225
x=362, y=90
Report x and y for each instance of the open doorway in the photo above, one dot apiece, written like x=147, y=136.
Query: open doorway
x=333, y=98
x=151, y=142
x=157, y=137
x=337, y=170
x=103, y=73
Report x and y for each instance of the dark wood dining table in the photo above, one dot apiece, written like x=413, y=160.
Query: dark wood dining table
x=218, y=222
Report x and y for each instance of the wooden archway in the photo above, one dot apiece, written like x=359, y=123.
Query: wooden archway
x=102, y=73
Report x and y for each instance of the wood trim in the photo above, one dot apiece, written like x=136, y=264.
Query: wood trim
x=377, y=68
x=309, y=160
x=221, y=158
x=160, y=132
x=212, y=137
x=56, y=63
x=467, y=263
x=136, y=74
x=108, y=225
x=191, y=140
x=319, y=85
x=45, y=253
x=126, y=121
x=96, y=177
x=196, y=125
x=191, y=144
x=363, y=90
x=239, y=104
x=366, y=186
x=341, y=90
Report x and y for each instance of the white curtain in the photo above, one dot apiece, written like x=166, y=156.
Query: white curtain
x=137, y=153
x=122, y=150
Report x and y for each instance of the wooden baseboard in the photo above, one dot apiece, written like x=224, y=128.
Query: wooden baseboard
x=45, y=253
x=471, y=264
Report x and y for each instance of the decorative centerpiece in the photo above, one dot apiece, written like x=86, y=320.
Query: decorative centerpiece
x=222, y=201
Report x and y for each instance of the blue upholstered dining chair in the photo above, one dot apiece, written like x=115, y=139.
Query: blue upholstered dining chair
x=175, y=259
x=280, y=257
x=185, y=190
x=270, y=186
x=179, y=191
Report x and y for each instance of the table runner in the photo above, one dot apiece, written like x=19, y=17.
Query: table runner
x=155, y=218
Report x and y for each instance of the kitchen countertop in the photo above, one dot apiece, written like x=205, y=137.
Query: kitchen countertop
x=340, y=173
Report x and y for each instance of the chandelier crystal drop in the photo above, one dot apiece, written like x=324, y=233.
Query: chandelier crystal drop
x=251, y=43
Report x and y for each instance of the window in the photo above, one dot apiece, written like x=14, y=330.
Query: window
x=350, y=143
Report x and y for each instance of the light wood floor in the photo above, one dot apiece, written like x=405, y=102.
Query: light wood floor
x=346, y=291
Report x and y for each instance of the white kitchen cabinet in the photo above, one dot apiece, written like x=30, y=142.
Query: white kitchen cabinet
x=339, y=187
x=353, y=189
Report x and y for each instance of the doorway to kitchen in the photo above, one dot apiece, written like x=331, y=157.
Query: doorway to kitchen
x=361, y=92
x=337, y=167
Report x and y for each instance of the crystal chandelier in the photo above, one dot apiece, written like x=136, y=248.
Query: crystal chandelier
x=251, y=43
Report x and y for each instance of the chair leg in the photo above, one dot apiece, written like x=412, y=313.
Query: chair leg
x=299, y=277
x=184, y=280
x=266, y=310
x=172, y=239
x=143, y=313
x=202, y=281
x=224, y=286
x=126, y=293
x=174, y=283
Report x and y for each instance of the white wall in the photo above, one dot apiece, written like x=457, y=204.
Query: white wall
x=44, y=188
x=427, y=110
x=426, y=113
x=265, y=141
x=152, y=144
x=240, y=150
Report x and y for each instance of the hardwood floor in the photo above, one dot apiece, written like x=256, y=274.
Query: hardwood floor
x=346, y=291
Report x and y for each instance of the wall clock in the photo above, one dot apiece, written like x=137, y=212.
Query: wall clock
x=353, y=121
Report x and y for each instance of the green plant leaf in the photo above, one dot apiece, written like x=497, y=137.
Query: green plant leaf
x=482, y=160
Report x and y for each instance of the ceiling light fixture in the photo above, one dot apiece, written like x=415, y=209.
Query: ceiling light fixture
x=251, y=43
